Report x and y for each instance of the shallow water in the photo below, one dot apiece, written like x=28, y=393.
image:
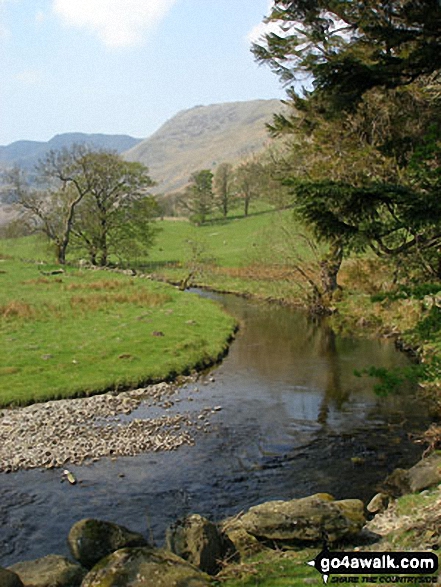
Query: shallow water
x=293, y=418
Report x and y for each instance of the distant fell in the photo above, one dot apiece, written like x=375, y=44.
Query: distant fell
x=27, y=153
x=203, y=137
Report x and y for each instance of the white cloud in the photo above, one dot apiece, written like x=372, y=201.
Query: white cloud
x=118, y=23
x=256, y=33
x=29, y=77
x=40, y=17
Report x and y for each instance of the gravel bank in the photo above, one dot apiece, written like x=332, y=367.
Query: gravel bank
x=56, y=433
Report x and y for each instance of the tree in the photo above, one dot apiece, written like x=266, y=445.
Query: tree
x=355, y=135
x=50, y=208
x=351, y=47
x=93, y=197
x=117, y=211
x=198, y=198
x=223, y=183
x=248, y=181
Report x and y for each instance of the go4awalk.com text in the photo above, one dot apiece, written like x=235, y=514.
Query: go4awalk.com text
x=411, y=568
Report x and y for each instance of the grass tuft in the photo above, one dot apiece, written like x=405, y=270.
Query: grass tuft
x=17, y=309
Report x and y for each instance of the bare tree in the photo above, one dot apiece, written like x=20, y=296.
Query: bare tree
x=49, y=204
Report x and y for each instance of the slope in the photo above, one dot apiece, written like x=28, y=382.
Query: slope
x=203, y=137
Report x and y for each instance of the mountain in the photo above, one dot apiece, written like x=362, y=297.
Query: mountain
x=27, y=153
x=203, y=137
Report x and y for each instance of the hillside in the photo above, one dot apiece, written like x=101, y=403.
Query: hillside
x=203, y=137
x=27, y=153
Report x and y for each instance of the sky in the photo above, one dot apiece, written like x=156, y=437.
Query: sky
x=123, y=66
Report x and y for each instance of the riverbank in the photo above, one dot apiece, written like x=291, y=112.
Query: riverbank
x=267, y=569
x=70, y=332
x=269, y=545
x=76, y=431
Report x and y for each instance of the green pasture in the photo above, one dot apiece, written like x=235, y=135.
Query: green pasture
x=82, y=332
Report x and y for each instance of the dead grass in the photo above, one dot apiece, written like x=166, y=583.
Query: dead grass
x=431, y=438
x=259, y=272
x=17, y=309
x=42, y=281
x=101, y=285
x=9, y=370
x=411, y=522
x=99, y=301
x=366, y=275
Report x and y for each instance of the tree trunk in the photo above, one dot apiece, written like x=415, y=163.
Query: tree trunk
x=61, y=253
x=329, y=268
x=247, y=205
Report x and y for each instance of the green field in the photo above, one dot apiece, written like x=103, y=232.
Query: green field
x=82, y=332
x=251, y=256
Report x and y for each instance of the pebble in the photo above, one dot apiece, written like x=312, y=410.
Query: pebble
x=57, y=433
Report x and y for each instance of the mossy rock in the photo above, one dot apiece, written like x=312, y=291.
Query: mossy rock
x=245, y=544
x=145, y=567
x=200, y=542
x=50, y=571
x=91, y=540
x=309, y=519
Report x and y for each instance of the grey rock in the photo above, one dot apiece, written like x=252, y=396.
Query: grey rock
x=144, y=567
x=91, y=540
x=244, y=544
x=378, y=503
x=199, y=541
x=50, y=571
x=426, y=473
x=309, y=519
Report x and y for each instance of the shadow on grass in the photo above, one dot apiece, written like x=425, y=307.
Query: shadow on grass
x=237, y=216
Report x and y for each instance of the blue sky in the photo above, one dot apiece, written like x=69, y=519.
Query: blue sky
x=123, y=66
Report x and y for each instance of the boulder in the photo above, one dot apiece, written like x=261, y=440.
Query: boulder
x=426, y=473
x=309, y=519
x=91, y=540
x=244, y=544
x=50, y=571
x=378, y=503
x=397, y=483
x=199, y=541
x=144, y=567
x=9, y=579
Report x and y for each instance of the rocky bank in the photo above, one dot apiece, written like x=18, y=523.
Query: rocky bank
x=202, y=553
x=109, y=555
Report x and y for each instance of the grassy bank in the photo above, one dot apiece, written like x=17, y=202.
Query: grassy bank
x=81, y=332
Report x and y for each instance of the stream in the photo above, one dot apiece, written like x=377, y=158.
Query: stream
x=291, y=419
